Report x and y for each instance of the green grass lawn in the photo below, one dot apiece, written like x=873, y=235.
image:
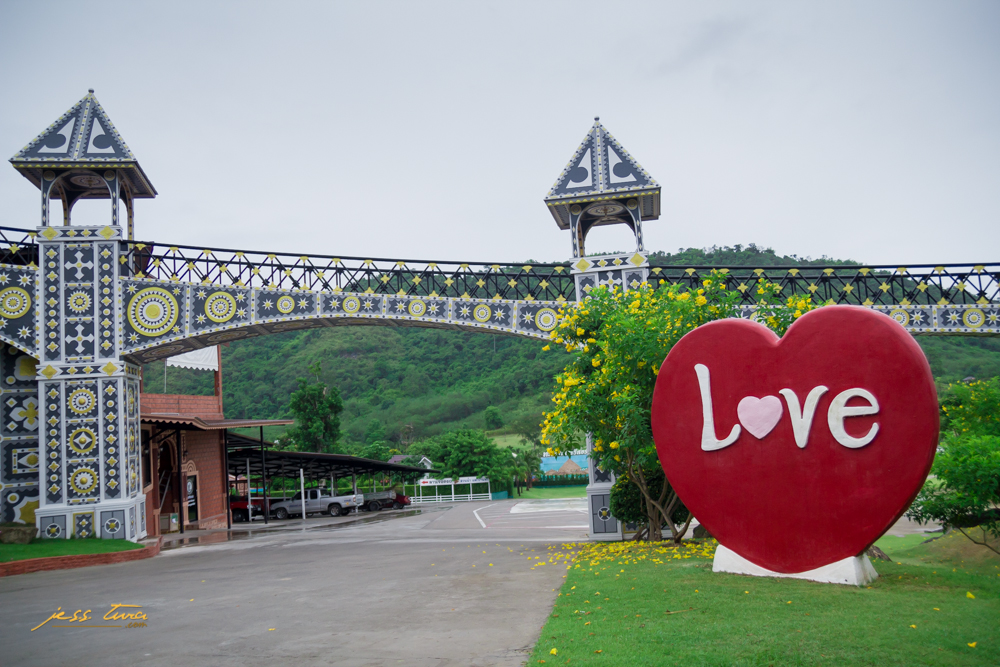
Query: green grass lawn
x=890, y=544
x=45, y=548
x=505, y=439
x=613, y=610
x=553, y=492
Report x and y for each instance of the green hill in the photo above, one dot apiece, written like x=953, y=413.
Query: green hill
x=418, y=382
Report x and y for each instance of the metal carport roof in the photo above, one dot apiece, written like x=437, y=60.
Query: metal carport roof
x=277, y=463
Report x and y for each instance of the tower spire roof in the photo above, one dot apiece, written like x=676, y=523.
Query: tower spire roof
x=82, y=137
x=601, y=168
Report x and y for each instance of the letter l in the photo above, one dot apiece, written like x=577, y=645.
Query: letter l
x=709, y=442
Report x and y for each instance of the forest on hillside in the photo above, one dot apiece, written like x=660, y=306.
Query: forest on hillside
x=419, y=382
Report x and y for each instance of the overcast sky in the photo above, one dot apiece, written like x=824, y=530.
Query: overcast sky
x=434, y=130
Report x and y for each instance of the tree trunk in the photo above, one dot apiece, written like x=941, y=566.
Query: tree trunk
x=875, y=553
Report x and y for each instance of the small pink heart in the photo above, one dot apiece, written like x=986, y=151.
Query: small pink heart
x=759, y=415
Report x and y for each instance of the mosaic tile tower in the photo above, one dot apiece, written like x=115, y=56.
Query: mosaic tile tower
x=603, y=185
x=77, y=420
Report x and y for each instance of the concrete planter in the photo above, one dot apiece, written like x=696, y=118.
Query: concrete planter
x=17, y=534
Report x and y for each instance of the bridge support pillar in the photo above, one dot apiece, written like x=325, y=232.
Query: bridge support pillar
x=90, y=470
x=625, y=272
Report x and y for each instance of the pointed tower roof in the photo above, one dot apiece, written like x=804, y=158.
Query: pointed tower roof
x=602, y=169
x=83, y=137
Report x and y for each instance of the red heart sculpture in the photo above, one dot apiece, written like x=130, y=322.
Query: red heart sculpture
x=806, y=493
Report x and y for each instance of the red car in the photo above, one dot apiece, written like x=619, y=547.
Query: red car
x=238, y=504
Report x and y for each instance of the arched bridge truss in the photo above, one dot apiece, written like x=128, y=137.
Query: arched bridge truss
x=81, y=308
x=167, y=299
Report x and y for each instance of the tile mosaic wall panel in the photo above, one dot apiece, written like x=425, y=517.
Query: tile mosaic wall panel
x=113, y=525
x=17, y=307
x=111, y=435
x=83, y=524
x=53, y=527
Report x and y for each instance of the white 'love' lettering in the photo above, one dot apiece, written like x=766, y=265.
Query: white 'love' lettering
x=800, y=416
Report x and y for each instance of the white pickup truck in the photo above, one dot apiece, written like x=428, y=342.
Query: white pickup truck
x=316, y=502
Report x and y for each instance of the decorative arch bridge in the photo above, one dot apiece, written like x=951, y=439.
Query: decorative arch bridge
x=81, y=308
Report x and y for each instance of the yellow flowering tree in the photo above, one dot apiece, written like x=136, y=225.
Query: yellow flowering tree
x=618, y=340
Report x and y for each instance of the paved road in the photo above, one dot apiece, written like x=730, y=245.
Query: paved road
x=439, y=587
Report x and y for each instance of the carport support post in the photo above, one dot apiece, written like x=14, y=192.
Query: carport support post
x=263, y=474
x=302, y=492
x=249, y=496
x=225, y=478
x=180, y=453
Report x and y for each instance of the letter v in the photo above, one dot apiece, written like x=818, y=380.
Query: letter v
x=802, y=419
x=709, y=442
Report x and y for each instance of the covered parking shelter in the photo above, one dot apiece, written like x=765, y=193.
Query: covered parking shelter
x=258, y=458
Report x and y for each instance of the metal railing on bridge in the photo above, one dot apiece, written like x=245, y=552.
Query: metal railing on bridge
x=868, y=285
x=468, y=280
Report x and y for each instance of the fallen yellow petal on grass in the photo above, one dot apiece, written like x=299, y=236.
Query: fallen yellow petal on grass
x=970, y=596
x=598, y=651
x=914, y=627
x=554, y=651
x=972, y=644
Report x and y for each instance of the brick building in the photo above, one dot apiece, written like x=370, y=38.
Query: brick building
x=183, y=452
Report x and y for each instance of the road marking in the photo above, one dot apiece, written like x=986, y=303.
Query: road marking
x=476, y=512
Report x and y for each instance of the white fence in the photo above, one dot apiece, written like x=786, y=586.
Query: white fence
x=455, y=498
x=420, y=495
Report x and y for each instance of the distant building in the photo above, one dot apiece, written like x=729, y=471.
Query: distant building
x=399, y=458
x=575, y=464
x=569, y=468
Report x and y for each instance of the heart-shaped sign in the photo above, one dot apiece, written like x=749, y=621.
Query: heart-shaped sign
x=817, y=475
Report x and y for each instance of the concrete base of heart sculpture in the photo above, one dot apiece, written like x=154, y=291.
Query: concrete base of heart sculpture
x=855, y=571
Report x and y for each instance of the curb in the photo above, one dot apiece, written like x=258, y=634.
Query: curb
x=82, y=560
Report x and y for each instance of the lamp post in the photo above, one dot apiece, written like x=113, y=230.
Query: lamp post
x=518, y=484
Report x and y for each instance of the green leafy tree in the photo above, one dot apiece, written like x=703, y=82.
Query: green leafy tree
x=316, y=409
x=525, y=465
x=963, y=492
x=493, y=418
x=375, y=432
x=377, y=451
x=468, y=453
x=629, y=505
x=618, y=341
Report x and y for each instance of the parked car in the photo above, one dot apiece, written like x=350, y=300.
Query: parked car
x=238, y=504
x=316, y=502
x=380, y=500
